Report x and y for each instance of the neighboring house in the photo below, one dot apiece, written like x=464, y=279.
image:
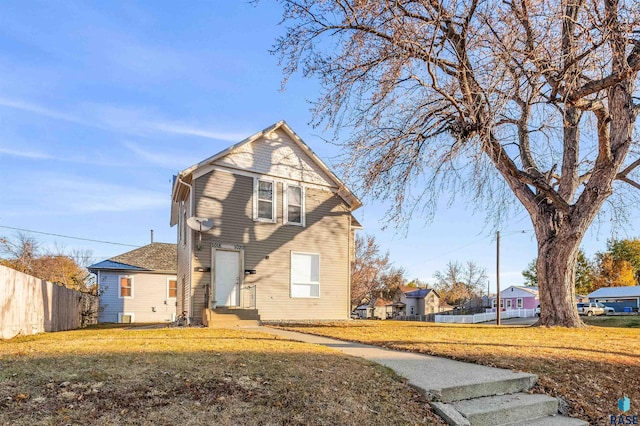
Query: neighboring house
x=517, y=297
x=410, y=301
x=618, y=298
x=364, y=311
x=382, y=308
x=138, y=286
x=281, y=237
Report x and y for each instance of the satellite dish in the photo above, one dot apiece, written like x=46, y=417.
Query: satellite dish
x=201, y=224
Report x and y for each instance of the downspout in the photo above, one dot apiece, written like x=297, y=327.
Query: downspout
x=188, y=242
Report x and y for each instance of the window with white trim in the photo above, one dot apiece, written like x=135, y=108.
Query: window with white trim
x=265, y=200
x=172, y=288
x=508, y=303
x=493, y=303
x=125, y=286
x=519, y=303
x=501, y=303
x=305, y=275
x=294, y=205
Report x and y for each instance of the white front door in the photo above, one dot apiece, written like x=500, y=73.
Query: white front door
x=227, y=277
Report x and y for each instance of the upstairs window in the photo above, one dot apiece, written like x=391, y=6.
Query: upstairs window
x=126, y=286
x=265, y=203
x=294, y=205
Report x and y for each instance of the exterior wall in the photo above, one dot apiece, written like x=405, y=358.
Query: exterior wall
x=527, y=302
x=432, y=303
x=275, y=154
x=184, y=239
x=267, y=247
x=149, y=294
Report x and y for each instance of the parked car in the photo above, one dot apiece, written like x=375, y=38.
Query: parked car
x=594, y=308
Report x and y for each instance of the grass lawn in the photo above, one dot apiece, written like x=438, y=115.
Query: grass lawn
x=590, y=368
x=114, y=376
x=627, y=321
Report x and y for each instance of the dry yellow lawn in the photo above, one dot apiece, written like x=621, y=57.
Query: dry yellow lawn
x=193, y=377
x=589, y=368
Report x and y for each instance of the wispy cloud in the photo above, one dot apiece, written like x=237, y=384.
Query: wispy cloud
x=51, y=193
x=181, y=129
x=169, y=160
x=40, y=110
x=34, y=155
x=132, y=121
x=87, y=196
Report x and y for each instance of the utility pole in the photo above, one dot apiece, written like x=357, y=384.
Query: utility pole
x=498, y=278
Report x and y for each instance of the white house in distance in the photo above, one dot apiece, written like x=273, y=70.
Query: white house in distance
x=138, y=286
x=517, y=297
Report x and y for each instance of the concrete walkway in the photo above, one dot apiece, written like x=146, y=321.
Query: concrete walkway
x=432, y=374
x=455, y=386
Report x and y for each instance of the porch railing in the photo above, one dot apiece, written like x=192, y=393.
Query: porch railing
x=248, y=297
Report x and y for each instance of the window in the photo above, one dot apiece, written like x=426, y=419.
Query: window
x=508, y=303
x=172, y=288
x=126, y=286
x=493, y=303
x=305, y=275
x=126, y=318
x=293, y=205
x=519, y=303
x=265, y=200
x=501, y=303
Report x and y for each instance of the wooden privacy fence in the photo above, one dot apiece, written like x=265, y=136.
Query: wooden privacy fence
x=30, y=305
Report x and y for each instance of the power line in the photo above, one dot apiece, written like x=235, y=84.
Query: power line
x=68, y=236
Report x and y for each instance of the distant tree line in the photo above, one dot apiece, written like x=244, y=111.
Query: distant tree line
x=373, y=275
x=617, y=266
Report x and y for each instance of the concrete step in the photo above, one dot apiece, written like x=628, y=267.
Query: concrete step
x=497, y=410
x=227, y=317
x=552, y=421
x=506, y=383
x=243, y=314
x=233, y=323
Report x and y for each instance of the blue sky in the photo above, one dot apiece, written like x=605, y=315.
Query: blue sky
x=102, y=102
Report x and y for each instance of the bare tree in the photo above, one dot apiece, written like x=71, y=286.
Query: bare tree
x=20, y=252
x=460, y=283
x=525, y=100
x=372, y=273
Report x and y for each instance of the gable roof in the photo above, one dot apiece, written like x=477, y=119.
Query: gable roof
x=382, y=302
x=416, y=292
x=533, y=291
x=182, y=182
x=159, y=257
x=627, y=291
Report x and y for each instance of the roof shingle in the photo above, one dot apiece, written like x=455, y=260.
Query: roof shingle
x=152, y=257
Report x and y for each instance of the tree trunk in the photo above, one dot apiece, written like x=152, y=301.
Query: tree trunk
x=557, y=258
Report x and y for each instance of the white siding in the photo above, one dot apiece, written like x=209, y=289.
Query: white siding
x=277, y=155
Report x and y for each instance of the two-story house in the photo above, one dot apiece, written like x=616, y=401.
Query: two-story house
x=416, y=301
x=278, y=234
